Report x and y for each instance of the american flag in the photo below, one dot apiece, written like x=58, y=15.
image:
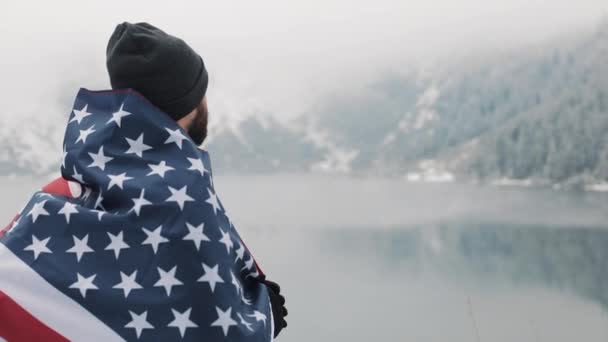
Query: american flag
x=137, y=247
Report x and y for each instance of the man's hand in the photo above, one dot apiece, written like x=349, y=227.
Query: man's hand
x=277, y=302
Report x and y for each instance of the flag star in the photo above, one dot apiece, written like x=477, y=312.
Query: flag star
x=127, y=283
x=137, y=147
x=179, y=196
x=244, y=322
x=77, y=176
x=196, y=164
x=140, y=202
x=224, y=320
x=167, y=279
x=38, y=246
x=240, y=252
x=211, y=276
x=159, y=169
x=80, y=247
x=118, y=180
x=64, y=154
x=80, y=114
x=84, y=134
x=100, y=214
x=117, y=116
x=99, y=159
x=154, y=238
x=14, y=224
x=248, y=264
x=226, y=240
x=175, y=136
x=254, y=274
x=236, y=283
x=182, y=321
x=98, y=201
x=213, y=201
x=84, y=284
x=38, y=210
x=258, y=316
x=245, y=300
x=67, y=210
x=196, y=234
x=117, y=243
x=139, y=322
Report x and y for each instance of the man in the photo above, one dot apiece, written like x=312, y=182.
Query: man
x=132, y=242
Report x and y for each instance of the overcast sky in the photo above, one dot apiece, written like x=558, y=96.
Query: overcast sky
x=273, y=55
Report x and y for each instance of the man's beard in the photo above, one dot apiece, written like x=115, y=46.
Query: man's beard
x=198, y=127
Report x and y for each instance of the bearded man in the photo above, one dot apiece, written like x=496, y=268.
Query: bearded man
x=132, y=241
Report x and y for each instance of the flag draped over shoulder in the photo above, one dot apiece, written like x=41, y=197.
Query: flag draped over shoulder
x=145, y=251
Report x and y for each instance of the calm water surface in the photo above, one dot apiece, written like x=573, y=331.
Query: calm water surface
x=363, y=260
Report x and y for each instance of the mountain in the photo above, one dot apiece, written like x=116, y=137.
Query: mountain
x=533, y=115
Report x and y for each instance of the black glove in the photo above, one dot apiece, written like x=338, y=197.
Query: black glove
x=277, y=302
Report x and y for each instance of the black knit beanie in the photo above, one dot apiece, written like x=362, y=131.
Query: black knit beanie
x=163, y=68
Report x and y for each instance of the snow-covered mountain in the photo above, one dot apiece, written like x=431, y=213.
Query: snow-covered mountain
x=539, y=113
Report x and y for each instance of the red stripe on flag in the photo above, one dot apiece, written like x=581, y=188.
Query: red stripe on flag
x=59, y=186
x=18, y=325
x=10, y=225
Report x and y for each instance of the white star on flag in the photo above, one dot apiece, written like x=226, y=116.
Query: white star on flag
x=175, y=136
x=240, y=252
x=139, y=322
x=14, y=225
x=159, y=169
x=116, y=243
x=167, y=279
x=226, y=240
x=84, y=134
x=38, y=246
x=98, y=201
x=77, y=176
x=213, y=201
x=154, y=238
x=117, y=116
x=38, y=210
x=99, y=159
x=179, y=196
x=196, y=234
x=64, y=154
x=118, y=180
x=236, y=283
x=258, y=316
x=137, y=147
x=80, y=114
x=224, y=320
x=182, y=321
x=100, y=214
x=127, y=283
x=196, y=164
x=244, y=322
x=140, y=202
x=84, y=284
x=211, y=276
x=248, y=266
x=67, y=210
x=80, y=247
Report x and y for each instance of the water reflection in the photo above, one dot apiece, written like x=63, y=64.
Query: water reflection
x=443, y=282
x=563, y=259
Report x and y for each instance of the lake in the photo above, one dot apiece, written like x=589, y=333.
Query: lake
x=374, y=259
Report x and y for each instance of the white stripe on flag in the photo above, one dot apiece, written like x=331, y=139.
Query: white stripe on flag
x=46, y=303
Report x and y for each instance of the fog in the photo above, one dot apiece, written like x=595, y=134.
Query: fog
x=266, y=56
